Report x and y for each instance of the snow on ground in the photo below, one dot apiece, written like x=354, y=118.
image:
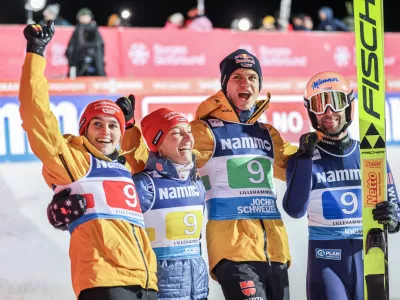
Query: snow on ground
x=34, y=262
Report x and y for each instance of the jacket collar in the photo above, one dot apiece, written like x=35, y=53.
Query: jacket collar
x=83, y=142
x=165, y=167
x=218, y=106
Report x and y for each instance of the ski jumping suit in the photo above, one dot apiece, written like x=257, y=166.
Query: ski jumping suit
x=173, y=212
x=334, y=206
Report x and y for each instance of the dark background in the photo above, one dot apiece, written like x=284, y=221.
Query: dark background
x=153, y=13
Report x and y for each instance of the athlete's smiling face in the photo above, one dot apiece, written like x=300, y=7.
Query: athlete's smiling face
x=104, y=133
x=178, y=144
x=243, y=88
x=330, y=121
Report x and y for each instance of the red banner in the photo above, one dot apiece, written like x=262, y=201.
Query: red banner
x=156, y=53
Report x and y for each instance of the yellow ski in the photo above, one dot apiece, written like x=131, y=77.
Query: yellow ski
x=368, y=18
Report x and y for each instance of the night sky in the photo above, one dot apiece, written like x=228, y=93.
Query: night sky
x=153, y=13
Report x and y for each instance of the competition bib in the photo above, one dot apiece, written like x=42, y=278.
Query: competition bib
x=239, y=176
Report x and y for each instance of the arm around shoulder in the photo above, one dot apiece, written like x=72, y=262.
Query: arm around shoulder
x=135, y=147
x=203, y=142
x=145, y=190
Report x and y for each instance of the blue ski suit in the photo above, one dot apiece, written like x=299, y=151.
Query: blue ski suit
x=173, y=213
x=334, y=207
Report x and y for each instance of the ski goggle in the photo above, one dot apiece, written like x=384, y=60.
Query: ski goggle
x=336, y=100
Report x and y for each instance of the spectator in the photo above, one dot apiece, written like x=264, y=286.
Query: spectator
x=328, y=22
x=197, y=20
x=85, y=51
x=51, y=13
x=175, y=21
x=308, y=23
x=349, y=18
x=114, y=21
x=298, y=22
x=268, y=23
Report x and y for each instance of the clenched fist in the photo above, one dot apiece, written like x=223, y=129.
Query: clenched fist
x=38, y=36
x=127, y=105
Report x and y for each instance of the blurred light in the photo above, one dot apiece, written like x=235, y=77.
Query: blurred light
x=36, y=4
x=244, y=24
x=125, y=14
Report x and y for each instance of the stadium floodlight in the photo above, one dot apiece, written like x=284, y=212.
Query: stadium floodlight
x=244, y=24
x=31, y=6
x=36, y=5
x=125, y=14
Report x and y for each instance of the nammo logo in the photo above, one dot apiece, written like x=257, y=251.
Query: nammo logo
x=248, y=288
x=139, y=54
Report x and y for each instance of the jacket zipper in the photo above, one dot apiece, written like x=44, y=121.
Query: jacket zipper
x=66, y=167
x=265, y=242
x=144, y=260
x=256, y=112
x=261, y=221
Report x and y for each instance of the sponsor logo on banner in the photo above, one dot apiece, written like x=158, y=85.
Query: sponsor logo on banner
x=176, y=55
x=342, y=56
x=333, y=254
x=58, y=57
x=288, y=114
x=374, y=190
x=139, y=54
x=280, y=57
x=164, y=55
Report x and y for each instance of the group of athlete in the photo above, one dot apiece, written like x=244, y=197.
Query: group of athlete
x=133, y=199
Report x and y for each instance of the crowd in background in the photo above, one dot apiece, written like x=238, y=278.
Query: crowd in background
x=196, y=19
x=85, y=51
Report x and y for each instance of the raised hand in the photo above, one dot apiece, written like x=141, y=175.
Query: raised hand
x=307, y=144
x=38, y=36
x=127, y=105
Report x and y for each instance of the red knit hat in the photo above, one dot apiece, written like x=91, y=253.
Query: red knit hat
x=101, y=107
x=156, y=125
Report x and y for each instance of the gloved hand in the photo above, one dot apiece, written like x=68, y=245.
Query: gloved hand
x=385, y=213
x=65, y=208
x=307, y=144
x=127, y=106
x=38, y=36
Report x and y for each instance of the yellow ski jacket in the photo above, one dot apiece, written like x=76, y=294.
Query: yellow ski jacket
x=241, y=240
x=102, y=252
